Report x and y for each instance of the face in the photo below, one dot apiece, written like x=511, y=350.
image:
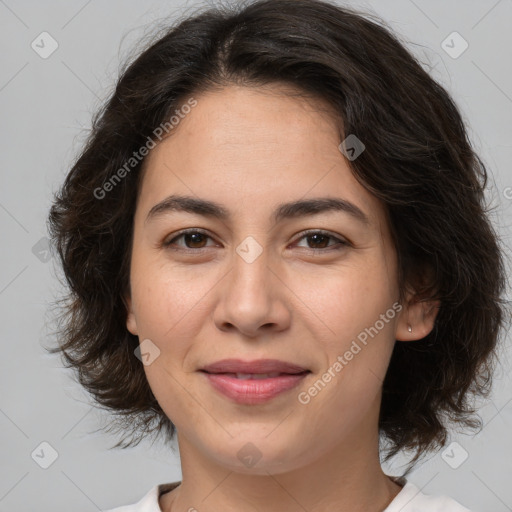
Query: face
x=303, y=288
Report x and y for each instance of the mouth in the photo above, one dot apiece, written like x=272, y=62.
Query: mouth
x=256, y=367
x=253, y=382
x=255, y=376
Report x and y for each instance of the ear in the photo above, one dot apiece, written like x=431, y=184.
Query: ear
x=417, y=318
x=131, y=322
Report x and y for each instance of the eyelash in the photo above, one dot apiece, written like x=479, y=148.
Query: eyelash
x=342, y=244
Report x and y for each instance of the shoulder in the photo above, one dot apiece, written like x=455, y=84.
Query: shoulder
x=149, y=502
x=411, y=499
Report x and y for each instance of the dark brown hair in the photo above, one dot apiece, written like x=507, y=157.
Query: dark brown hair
x=418, y=161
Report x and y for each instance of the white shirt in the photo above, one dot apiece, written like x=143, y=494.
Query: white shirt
x=409, y=499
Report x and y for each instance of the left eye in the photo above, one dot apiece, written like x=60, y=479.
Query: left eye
x=195, y=239
x=321, y=238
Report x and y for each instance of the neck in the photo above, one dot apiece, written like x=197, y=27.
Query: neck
x=347, y=478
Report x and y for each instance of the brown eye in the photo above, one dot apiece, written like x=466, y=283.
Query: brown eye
x=193, y=239
x=318, y=240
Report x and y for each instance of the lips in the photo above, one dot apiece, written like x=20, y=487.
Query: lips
x=256, y=376
x=260, y=366
x=253, y=382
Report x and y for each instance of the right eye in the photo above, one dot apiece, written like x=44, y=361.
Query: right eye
x=194, y=240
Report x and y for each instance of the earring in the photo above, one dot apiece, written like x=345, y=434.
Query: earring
x=409, y=328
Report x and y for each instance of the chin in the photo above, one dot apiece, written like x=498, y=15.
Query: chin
x=260, y=455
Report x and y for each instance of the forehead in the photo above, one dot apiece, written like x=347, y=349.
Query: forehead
x=242, y=145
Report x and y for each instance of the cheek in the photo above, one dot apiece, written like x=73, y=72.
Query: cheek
x=359, y=308
x=348, y=299
x=167, y=298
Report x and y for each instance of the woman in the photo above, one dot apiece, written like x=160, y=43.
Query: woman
x=277, y=250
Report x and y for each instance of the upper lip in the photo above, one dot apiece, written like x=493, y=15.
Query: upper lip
x=256, y=366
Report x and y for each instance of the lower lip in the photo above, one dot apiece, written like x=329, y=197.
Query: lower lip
x=253, y=391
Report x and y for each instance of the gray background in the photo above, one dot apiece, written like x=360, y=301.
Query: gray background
x=46, y=107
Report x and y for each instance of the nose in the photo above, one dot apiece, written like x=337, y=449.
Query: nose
x=253, y=299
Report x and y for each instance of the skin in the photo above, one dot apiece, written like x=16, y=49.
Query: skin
x=301, y=301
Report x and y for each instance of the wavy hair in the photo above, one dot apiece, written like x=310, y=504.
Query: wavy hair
x=418, y=161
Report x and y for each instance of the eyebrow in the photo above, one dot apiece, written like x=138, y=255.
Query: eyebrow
x=299, y=208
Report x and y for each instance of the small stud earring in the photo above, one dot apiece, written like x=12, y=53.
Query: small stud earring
x=409, y=328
